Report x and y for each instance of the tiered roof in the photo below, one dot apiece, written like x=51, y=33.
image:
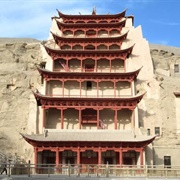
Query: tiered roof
x=62, y=40
x=122, y=76
x=72, y=54
x=122, y=137
x=92, y=16
x=89, y=102
x=62, y=25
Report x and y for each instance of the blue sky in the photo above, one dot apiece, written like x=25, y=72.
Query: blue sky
x=160, y=19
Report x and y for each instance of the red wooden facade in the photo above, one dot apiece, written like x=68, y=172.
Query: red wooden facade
x=92, y=53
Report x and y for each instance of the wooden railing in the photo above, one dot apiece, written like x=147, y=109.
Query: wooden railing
x=88, y=96
x=92, y=170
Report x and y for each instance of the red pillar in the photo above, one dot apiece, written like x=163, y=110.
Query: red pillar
x=120, y=157
x=141, y=157
x=80, y=120
x=110, y=65
x=57, y=160
x=99, y=157
x=62, y=88
x=78, y=156
x=67, y=64
x=96, y=65
x=97, y=87
x=57, y=157
x=35, y=158
x=98, y=119
x=62, y=119
x=80, y=84
x=115, y=119
x=114, y=88
x=81, y=65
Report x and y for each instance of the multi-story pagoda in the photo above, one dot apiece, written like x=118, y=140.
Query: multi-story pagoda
x=87, y=108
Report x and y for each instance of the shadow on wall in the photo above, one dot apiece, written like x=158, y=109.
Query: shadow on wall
x=142, y=114
x=156, y=159
x=152, y=158
x=149, y=156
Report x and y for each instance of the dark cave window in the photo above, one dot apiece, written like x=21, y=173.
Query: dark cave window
x=157, y=131
x=167, y=161
x=89, y=85
x=176, y=68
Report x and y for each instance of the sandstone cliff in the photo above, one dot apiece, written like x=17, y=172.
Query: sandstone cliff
x=19, y=76
x=157, y=108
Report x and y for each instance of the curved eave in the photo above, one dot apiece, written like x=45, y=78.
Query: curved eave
x=64, y=39
x=59, y=51
x=40, y=96
x=121, y=14
x=48, y=73
x=71, y=25
x=40, y=139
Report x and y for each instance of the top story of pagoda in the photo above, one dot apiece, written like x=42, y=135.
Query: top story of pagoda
x=93, y=18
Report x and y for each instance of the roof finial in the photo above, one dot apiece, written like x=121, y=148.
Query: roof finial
x=94, y=11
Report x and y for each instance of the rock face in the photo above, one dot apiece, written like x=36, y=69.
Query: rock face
x=164, y=58
x=159, y=106
x=19, y=76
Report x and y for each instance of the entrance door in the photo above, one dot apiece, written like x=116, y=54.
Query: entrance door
x=108, y=160
x=70, y=160
x=50, y=160
x=86, y=160
x=89, y=162
x=127, y=161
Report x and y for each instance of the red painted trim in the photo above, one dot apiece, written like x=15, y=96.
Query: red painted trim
x=91, y=102
x=115, y=119
x=62, y=119
x=74, y=40
x=63, y=145
x=90, y=26
x=121, y=76
x=91, y=17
